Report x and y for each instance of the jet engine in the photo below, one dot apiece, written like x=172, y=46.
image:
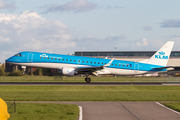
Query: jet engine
x=69, y=71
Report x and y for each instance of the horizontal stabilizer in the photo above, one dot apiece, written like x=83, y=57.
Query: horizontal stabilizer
x=161, y=68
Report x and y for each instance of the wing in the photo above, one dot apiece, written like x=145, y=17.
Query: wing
x=93, y=68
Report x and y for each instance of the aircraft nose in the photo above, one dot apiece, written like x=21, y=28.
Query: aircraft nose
x=15, y=58
x=9, y=59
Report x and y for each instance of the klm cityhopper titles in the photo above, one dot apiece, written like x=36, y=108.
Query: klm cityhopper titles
x=74, y=65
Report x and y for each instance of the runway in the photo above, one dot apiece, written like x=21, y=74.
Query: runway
x=121, y=110
x=90, y=84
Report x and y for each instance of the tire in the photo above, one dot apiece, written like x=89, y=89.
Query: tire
x=88, y=80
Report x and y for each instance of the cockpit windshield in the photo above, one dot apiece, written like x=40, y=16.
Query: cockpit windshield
x=18, y=55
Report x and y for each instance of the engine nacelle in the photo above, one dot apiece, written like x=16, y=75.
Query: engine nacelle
x=69, y=71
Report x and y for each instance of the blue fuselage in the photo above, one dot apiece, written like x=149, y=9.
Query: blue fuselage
x=58, y=61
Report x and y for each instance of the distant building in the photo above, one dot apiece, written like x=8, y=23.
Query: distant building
x=130, y=55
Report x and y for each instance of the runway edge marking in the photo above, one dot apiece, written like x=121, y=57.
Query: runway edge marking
x=80, y=113
x=167, y=108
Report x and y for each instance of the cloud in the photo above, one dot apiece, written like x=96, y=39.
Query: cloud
x=116, y=38
x=158, y=42
x=171, y=23
x=143, y=42
x=176, y=40
x=4, y=55
x=4, y=39
x=106, y=39
x=5, y=5
x=29, y=31
x=74, y=6
x=116, y=7
x=91, y=43
x=147, y=28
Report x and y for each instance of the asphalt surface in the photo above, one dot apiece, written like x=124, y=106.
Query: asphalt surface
x=121, y=110
x=93, y=83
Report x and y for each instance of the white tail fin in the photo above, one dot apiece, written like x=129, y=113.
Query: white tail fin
x=161, y=57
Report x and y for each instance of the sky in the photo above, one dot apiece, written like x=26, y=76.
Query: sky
x=66, y=26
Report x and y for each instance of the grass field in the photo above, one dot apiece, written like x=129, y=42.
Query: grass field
x=41, y=111
x=29, y=111
x=173, y=105
x=90, y=93
x=81, y=79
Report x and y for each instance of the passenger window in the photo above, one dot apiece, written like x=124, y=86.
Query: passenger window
x=59, y=59
x=74, y=60
x=119, y=64
x=123, y=65
x=126, y=65
x=47, y=58
x=70, y=60
x=115, y=64
x=98, y=62
x=44, y=57
x=40, y=57
x=101, y=63
x=78, y=60
x=111, y=64
x=83, y=61
x=63, y=59
x=55, y=58
x=105, y=63
x=87, y=62
x=130, y=65
x=94, y=62
x=91, y=62
x=51, y=58
x=66, y=59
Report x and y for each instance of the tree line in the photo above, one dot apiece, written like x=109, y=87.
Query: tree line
x=38, y=71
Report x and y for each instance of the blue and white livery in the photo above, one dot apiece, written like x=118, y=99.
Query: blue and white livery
x=73, y=65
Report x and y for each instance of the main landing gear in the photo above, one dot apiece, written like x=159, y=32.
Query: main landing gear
x=88, y=79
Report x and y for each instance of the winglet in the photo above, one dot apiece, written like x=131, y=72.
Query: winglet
x=108, y=63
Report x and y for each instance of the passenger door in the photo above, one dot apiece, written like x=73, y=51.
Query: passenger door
x=30, y=57
x=136, y=67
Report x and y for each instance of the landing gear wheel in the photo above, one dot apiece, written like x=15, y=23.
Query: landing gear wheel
x=88, y=80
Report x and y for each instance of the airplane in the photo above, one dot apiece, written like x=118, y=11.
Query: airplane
x=74, y=65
